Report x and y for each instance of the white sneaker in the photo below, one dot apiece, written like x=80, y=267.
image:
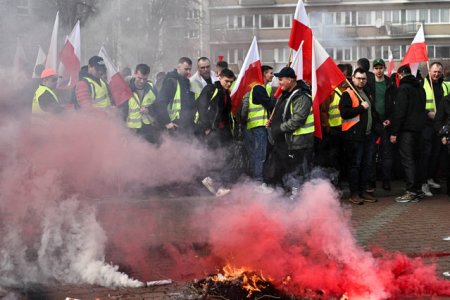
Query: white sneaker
x=433, y=184
x=209, y=184
x=263, y=189
x=426, y=190
x=222, y=192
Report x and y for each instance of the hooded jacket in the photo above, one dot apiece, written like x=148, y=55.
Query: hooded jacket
x=409, y=108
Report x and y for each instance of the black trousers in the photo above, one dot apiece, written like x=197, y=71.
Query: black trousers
x=409, y=150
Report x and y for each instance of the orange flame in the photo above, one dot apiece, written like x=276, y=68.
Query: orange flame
x=251, y=281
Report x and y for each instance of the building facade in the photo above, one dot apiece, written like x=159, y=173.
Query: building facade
x=348, y=29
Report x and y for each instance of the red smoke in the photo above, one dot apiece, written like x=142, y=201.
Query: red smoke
x=311, y=241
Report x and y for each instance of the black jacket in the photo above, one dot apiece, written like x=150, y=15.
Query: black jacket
x=214, y=112
x=388, y=97
x=165, y=98
x=409, y=108
x=443, y=115
x=358, y=131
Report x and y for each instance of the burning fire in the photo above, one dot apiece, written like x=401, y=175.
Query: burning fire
x=251, y=281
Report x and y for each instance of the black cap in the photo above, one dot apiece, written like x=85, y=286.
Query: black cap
x=379, y=62
x=404, y=70
x=97, y=62
x=286, y=72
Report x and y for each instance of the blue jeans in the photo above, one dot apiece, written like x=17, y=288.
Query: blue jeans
x=256, y=145
x=361, y=162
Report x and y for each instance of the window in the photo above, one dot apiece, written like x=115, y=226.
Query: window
x=343, y=18
x=411, y=16
x=444, y=15
x=193, y=34
x=347, y=54
x=430, y=50
x=281, y=55
x=364, y=18
x=284, y=21
x=395, y=52
x=248, y=21
x=393, y=16
x=327, y=18
x=423, y=15
x=267, y=21
x=434, y=15
x=442, y=51
x=365, y=52
x=315, y=19
x=268, y=55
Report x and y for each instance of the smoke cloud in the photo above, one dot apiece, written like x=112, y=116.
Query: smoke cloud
x=51, y=171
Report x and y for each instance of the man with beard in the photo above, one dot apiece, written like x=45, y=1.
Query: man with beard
x=359, y=119
x=407, y=123
x=175, y=104
x=291, y=131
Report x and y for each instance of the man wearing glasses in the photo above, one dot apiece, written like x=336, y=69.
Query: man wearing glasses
x=45, y=99
x=202, y=77
x=359, y=118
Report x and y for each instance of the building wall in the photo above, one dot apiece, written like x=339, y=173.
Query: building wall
x=348, y=29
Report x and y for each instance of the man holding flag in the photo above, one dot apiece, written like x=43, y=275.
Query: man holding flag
x=291, y=129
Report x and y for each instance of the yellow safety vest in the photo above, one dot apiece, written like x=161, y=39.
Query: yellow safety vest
x=257, y=114
x=429, y=105
x=36, y=108
x=334, y=114
x=135, y=117
x=308, y=127
x=174, y=107
x=99, y=93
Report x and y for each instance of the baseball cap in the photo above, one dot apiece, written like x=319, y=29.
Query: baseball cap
x=286, y=72
x=404, y=70
x=97, y=62
x=378, y=62
x=48, y=73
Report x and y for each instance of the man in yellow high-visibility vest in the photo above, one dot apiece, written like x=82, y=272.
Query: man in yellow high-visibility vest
x=292, y=132
x=435, y=89
x=175, y=105
x=45, y=99
x=256, y=108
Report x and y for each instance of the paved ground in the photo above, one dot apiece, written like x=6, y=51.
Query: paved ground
x=417, y=229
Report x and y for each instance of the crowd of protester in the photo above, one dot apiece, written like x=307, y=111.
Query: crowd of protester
x=369, y=122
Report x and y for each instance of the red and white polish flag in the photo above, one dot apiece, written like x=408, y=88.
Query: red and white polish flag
x=391, y=64
x=301, y=34
x=249, y=76
x=417, y=52
x=70, y=59
x=120, y=91
x=52, y=54
x=326, y=76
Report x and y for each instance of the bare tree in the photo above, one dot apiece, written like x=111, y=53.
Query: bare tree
x=72, y=10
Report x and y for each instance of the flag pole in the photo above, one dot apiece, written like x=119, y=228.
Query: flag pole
x=431, y=84
x=353, y=88
x=287, y=65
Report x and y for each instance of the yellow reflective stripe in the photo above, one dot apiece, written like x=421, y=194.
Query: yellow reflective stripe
x=175, y=106
x=334, y=116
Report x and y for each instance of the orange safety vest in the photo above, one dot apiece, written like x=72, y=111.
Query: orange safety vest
x=348, y=123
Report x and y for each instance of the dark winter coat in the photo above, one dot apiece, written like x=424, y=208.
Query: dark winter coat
x=409, y=108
